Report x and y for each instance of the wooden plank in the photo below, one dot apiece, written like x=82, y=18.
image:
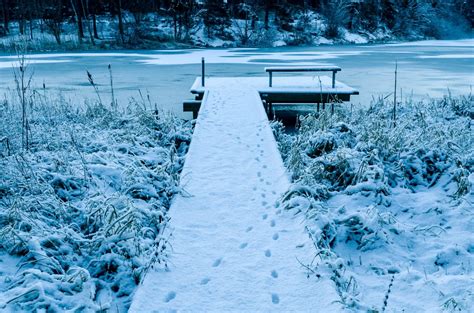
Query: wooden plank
x=303, y=69
x=299, y=98
x=191, y=105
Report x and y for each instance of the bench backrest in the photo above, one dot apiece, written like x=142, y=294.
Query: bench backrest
x=303, y=69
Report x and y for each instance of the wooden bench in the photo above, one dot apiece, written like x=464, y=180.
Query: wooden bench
x=289, y=69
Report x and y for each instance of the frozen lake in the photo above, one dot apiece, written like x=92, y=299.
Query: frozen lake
x=425, y=68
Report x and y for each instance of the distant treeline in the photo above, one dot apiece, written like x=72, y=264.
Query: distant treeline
x=402, y=18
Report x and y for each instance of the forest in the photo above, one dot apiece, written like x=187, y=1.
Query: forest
x=243, y=22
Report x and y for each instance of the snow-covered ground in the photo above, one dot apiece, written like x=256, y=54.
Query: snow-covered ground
x=83, y=209
x=390, y=207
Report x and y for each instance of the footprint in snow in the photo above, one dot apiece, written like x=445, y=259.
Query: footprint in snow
x=264, y=216
x=254, y=188
x=259, y=174
x=264, y=203
x=249, y=229
x=204, y=281
x=261, y=180
x=217, y=262
x=170, y=296
x=264, y=166
x=274, y=192
x=263, y=195
x=275, y=236
x=275, y=298
x=272, y=223
x=243, y=246
x=274, y=274
x=268, y=253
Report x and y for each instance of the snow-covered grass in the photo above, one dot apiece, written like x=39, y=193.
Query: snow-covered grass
x=83, y=210
x=388, y=205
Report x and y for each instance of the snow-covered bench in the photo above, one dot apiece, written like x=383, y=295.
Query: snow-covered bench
x=288, y=69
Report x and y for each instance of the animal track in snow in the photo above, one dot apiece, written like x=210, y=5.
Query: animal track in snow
x=170, y=296
x=268, y=253
x=204, y=281
x=243, y=245
x=275, y=298
x=217, y=262
x=275, y=236
x=274, y=274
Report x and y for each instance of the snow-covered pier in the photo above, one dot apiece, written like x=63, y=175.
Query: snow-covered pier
x=233, y=248
x=285, y=90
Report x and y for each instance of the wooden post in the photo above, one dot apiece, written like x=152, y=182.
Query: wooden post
x=333, y=79
x=203, y=71
x=270, y=79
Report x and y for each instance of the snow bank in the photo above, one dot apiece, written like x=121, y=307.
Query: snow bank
x=389, y=207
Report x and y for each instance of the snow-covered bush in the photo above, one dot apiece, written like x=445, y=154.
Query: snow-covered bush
x=387, y=202
x=85, y=207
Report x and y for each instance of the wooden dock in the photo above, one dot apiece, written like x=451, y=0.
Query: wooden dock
x=275, y=91
x=233, y=248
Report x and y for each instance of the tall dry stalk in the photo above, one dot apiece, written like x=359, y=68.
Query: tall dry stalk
x=394, y=116
x=23, y=77
x=114, y=101
x=93, y=84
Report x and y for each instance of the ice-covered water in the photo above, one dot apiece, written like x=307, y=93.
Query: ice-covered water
x=425, y=68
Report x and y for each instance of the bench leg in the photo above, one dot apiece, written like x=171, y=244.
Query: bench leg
x=270, y=78
x=333, y=79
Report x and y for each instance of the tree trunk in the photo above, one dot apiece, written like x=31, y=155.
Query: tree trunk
x=80, y=31
x=94, y=26
x=120, y=21
x=21, y=24
x=31, y=27
x=267, y=12
x=5, y=15
x=85, y=11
